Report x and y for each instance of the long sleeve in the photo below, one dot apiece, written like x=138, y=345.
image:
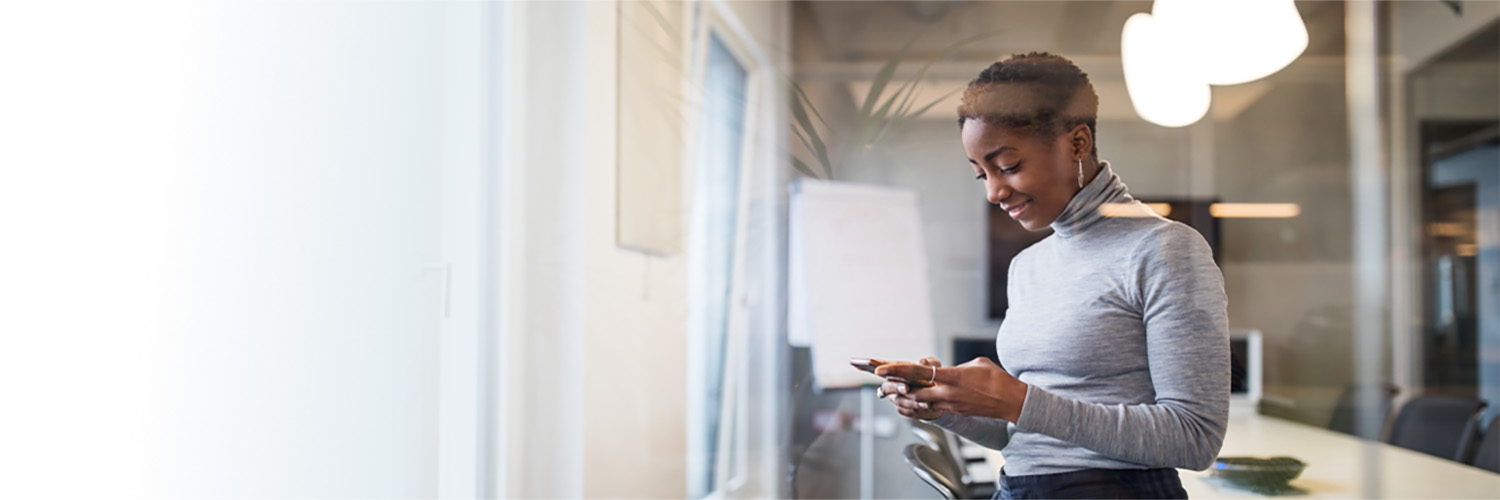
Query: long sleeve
x=1180, y=294
x=992, y=433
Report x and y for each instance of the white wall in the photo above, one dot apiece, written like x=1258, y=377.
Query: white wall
x=223, y=222
x=635, y=324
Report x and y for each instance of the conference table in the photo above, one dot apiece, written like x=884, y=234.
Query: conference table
x=1336, y=464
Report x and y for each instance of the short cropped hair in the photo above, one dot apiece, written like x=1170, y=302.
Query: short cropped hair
x=1037, y=93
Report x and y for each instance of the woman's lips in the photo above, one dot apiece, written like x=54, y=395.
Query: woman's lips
x=1016, y=210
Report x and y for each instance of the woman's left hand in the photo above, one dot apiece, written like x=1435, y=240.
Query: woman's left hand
x=978, y=388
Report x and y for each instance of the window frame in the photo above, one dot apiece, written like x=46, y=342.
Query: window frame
x=734, y=474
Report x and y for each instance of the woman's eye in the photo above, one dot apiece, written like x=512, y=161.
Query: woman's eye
x=980, y=177
x=1010, y=170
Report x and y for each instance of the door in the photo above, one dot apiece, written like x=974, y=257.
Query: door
x=1461, y=341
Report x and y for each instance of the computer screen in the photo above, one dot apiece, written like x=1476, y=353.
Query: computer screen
x=1239, y=369
x=967, y=349
x=1245, y=368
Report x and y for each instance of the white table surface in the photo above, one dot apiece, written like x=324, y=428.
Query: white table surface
x=1336, y=466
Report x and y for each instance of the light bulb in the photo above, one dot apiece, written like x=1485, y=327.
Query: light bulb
x=1233, y=41
x=1163, y=89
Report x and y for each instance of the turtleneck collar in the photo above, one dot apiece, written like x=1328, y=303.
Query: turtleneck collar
x=1084, y=209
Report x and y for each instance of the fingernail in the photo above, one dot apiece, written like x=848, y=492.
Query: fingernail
x=901, y=388
x=923, y=404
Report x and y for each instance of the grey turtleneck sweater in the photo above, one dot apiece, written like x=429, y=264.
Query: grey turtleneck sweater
x=1118, y=325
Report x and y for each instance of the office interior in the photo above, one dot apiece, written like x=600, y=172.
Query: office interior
x=543, y=249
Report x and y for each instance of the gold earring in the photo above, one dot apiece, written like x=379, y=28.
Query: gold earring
x=1080, y=173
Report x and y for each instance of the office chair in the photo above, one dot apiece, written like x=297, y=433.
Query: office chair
x=933, y=468
x=1440, y=426
x=931, y=435
x=940, y=439
x=1487, y=456
x=946, y=445
x=1346, y=417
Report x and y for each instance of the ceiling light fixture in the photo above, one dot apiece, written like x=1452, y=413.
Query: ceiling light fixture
x=1230, y=42
x=1254, y=210
x=1163, y=90
x=1173, y=54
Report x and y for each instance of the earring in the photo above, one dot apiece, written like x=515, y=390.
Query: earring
x=1080, y=173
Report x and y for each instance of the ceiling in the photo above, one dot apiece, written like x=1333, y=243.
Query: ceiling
x=847, y=42
x=865, y=30
x=876, y=30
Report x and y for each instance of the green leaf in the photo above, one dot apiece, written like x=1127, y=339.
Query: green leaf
x=922, y=73
x=873, y=127
x=805, y=142
x=878, y=116
x=803, y=95
x=904, y=119
x=885, y=109
x=817, y=142
x=906, y=103
x=899, y=115
x=803, y=138
x=882, y=117
x=883, y=77
x=802, y=167
x=929, y=105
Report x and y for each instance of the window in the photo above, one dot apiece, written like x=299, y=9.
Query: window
x=716, y=207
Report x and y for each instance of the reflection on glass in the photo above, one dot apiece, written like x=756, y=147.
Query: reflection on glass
x=1461, y=189
x=1268, y=167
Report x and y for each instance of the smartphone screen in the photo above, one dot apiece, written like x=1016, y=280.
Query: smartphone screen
x=869, y=365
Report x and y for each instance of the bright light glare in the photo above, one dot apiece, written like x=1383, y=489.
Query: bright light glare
x=1135, y=209
x=1163, y=90
x=1229, y=42
x=1254, y=210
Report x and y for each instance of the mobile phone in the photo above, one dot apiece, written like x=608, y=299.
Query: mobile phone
x=869, y=365
x=866, y=364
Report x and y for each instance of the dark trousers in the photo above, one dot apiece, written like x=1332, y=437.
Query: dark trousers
x=1094, y=483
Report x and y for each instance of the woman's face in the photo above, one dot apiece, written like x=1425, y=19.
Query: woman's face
x=1033, y=178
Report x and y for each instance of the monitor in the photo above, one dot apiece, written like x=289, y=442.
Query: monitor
x=1245, y=369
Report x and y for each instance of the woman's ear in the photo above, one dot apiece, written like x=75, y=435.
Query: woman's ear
x=1083, y=140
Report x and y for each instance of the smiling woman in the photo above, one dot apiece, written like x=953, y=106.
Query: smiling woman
x=1039, y=108
x=1115, y=343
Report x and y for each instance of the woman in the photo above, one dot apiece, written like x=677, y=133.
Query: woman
x=1115, y=345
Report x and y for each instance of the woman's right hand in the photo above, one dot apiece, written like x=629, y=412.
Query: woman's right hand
x=905, y=405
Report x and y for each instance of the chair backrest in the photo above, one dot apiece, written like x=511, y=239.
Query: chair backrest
x=1346, y=415
x=930, y=465
x=931, y=435
x=1487, y=455
x=941, y=440
x=1438, y=425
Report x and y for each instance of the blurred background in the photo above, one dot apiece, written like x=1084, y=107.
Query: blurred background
x=562, y=249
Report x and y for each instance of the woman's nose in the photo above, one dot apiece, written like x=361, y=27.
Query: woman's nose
x=997, y=191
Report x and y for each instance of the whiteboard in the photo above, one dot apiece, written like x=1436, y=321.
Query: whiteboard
x=858, y=284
